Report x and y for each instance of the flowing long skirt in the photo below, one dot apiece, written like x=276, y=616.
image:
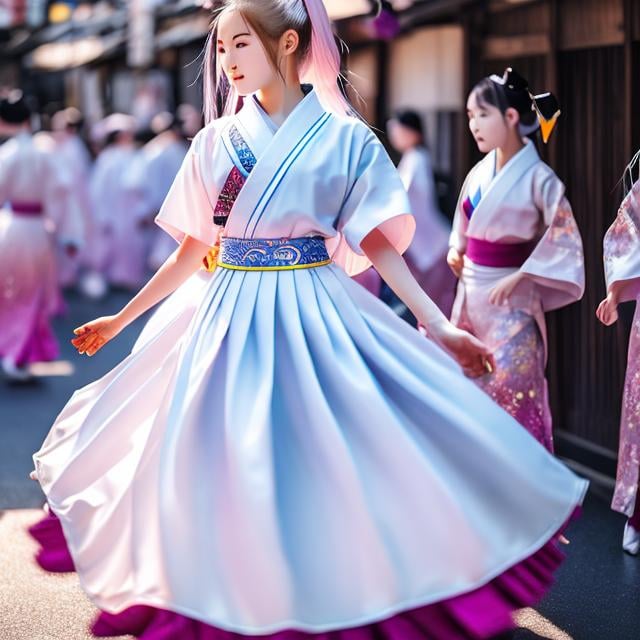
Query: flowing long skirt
x=288, y=458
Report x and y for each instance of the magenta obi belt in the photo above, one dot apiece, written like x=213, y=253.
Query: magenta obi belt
x=252, y=254
x=498, y=254
x=25, y=208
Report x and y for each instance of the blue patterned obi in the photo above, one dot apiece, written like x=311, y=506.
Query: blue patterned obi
x=251, y=254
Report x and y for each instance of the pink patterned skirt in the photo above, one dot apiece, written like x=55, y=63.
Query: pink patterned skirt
x=625, y=498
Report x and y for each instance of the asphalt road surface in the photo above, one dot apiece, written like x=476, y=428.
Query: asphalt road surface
x=596, y=597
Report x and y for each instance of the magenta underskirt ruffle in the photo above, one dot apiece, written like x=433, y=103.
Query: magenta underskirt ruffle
x=53, y=555
x=482, y=613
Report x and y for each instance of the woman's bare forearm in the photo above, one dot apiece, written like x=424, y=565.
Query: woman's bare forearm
x=178, y=267
x=394, y=271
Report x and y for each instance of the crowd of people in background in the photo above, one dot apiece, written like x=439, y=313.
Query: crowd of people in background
x=108, y=181
x=77, y=204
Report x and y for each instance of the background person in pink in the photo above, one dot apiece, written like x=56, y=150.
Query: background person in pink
x=38, y=210
x=622, y=274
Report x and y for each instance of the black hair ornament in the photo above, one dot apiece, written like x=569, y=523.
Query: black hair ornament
x=548, y=111
x=545, y=105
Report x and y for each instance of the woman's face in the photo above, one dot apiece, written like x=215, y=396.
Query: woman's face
x=489, y=127
x=402, y=138
x=242, y=56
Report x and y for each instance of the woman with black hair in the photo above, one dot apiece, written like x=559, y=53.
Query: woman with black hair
x=515, y=246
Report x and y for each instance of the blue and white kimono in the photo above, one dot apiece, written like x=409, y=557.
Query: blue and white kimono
x=284, y=453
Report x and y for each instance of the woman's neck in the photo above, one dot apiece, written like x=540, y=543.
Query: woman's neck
x=281, y=98
x=505, y=153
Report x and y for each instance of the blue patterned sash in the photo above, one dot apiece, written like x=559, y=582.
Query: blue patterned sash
x=252, y=254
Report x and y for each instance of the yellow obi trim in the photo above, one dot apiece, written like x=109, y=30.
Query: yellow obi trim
x=309, y=265
x=272, y=254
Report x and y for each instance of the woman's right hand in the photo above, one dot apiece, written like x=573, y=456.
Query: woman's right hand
x=92, y=336
x=455, y=260
x=475, y=358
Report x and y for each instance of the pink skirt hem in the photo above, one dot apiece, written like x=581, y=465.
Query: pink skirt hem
x=482, y=613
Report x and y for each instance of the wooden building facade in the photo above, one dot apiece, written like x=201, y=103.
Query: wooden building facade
x=587, y=52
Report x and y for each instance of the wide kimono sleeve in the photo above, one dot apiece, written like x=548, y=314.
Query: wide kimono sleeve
x=188, y=208
x=556, y=264
x=622, y=248
x=375, y=199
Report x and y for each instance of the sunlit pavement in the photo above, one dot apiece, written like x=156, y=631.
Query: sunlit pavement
x=34, y=604
x=596, y=597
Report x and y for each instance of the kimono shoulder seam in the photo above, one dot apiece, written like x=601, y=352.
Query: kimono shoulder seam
x=630, y=202
x=368, y=138
x=357, y=129
x=213, y=128
x=544, y=178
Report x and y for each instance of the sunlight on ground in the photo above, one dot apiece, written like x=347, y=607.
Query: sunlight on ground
x=48, y=369
x=34, y=604
x=530, y=619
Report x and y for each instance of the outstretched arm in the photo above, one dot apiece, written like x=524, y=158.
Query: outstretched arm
x=473, y=356
x=178, y=267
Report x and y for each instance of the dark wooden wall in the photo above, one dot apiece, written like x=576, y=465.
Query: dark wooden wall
x=587, y=363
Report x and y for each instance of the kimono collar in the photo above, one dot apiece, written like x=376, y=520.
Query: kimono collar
x=495, y=188
x=526, y=156
x=275, y=153
x=258, y=128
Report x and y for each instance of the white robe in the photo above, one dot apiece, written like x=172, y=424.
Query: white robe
x=431, y=241
x=524, y=204
x=75, y=158
x=164, y=161
x=120, y=204
x=427, y=254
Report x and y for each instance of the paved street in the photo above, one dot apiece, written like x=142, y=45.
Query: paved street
x=597, y=596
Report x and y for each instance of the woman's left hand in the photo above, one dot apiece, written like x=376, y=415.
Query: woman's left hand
x=501, y=293
x=607, y=311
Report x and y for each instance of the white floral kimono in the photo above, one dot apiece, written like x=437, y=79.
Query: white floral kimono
x=516, y=220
